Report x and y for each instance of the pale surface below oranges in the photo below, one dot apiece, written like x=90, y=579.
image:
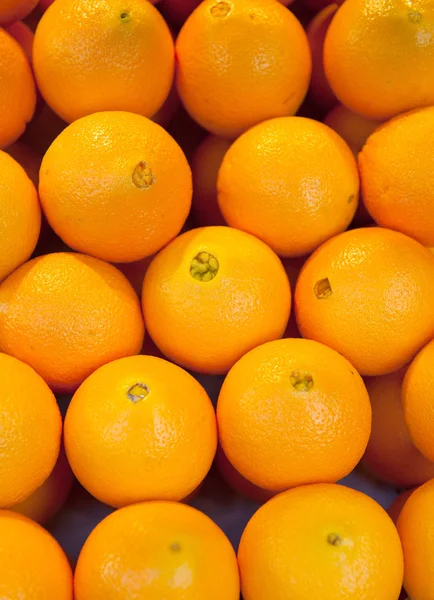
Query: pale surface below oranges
x=321, y=541
x=157, y=550
x=241, y=62
x=368, y=294
x=115, y=185
x=66, y=315
x=292, y=182
x=212, y=295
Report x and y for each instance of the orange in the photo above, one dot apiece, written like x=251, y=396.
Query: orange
x=321, y=541
x=295, y=209
x=368, y=293
x=205, y=165
x=23, y=35
x=68, y=314
x=416, y=529
x=319, y=397
x=353, y=128
x=97, y=55
x=13, y=10
x=398, y=504
x=418, y=399
x=212, y=295
x=241, y=62
x=391, y=455
x=17, y=90
x=115, y=185
x=28, y=158
x=140, y=428
x=394, y=166
x=157, y=550
x=379, y=56
x=31, y=427
x=20, y=215
x=32, y=564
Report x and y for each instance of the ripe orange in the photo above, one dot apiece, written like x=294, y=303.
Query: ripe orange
x=13, y=10
x=398, y=504
x=321, y=541
x=157, y=550
x=241, y=62
x=416, y=529
x=205, y=165
x=295, y=209
x=23, y=35
x=32, y=564
x=379, y=56
x=212, y=295
x=17, y=90
x=20, y=215
x=68, y=314
x=31, y=427
x=138, y=429
x=368, y=293
x=353, y=128
x=391, y=455
x=28, y=158
x=115, y=185
x=97, y=55
x=394, y=166
x=418, y=399
x=319, y=397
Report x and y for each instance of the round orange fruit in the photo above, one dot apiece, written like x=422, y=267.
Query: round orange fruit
x=116, y=186
x=368, y=293
x=157, y=550
x=163, y=433
x=32, y=564
x=295, y=209
x=212, y=295
x=319, y=397
x=97, y=55
x=13, y=10
x=321, y=541
x=379, y=56
x=241, y=62
x=66, y=315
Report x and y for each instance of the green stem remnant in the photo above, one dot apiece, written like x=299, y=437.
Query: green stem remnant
x=334, y=539
x=323, y=289
x=143, y=176
x=204, y=266
x=302, y=381
x=138, y=392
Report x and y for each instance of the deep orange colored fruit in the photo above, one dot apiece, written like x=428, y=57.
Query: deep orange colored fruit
x=24, y=36
x=13, y=10
x=321, y=541
x=68, y=314
x=20, y=215
x=379, y=56
x=115, y=185
x=391, y=455
x=97, y=55
x=17, y=90
x=32, y=564
x=319, y=397
x=353, y=128
x=28, y=158
x=296, y=209
x=212, y=295
x=168, y=550
x=398, y=504
x=368, y=293
x=416, y=530
x=394, y=166
x=241, y=62
x=163, y=432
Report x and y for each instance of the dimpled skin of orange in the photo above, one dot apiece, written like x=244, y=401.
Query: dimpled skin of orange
x=295, y=209
x=140, y=428
x=115, y=185
x=21, y=215
x=212, y=295
x=379, y=56
x=416, y=530
x=32, y=564
x=17, y=90
x=157, y=550
x=319, y=397
x=241, y=62
x=353, y=128
x=31, y=427
x=66, y=315
x=13, y=10
x=391, y=455
x=96, y=55
x=395, y=168
x=368, y=293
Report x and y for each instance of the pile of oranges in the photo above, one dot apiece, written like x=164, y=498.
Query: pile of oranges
x=239, y=189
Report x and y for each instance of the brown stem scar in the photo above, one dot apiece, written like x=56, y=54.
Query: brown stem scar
x=175, y=547
x=221, y=9
x=138, y=392
x=125, y=16
x=323, y=289
x=351, y=198
x=334, y=539
x=301, y=380
x=204, y=266
x=143, y=176
x=415, y=17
